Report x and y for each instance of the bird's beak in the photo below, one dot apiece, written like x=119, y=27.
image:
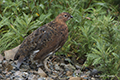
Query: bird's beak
x=71, y=17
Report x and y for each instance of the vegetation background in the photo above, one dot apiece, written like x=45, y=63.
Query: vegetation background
x=94, y=32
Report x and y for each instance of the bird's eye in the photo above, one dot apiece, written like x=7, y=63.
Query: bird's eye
x=65, y=15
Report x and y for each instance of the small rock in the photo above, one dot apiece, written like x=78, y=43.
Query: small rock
x=62, y=64
x=93, y=78
x=15, y=61
x=0, y=65
x=8, y=79
x=9, y=67
x=57, y=67
x=54, y=76
x=23, y=70
x=5, y=62
x=78, y=66
x=18, y=73
x=84, y=76
x=1, y=71
x=12, y=71
x=68, y=60
x=33, y=66
x=85, y=69
x=14, y=68
x=20, y=79
x=73, y=75
x=42, y=78
x=95, y=72
x=1, y=77
x=12, y=77
x=70, y=67
x=11, y=62
x=76, y=78
x=5, y=72
x=25, y=66
x=25, y=75
x=77, y=72
x=32, y=77
x=48, y=78
x=41, y=72
x=69, y=73
x=8, y=75
x=88, y=72
x=0, y=62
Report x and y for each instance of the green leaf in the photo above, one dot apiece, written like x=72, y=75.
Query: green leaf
x=116, y=55
x=96, y=61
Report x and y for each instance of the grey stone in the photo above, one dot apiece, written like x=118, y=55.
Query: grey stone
x=42, y=78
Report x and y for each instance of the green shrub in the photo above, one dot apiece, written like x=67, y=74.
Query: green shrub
x=94, y=32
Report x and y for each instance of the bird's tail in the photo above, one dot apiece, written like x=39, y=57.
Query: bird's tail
x=17, y=55
x=20, y=61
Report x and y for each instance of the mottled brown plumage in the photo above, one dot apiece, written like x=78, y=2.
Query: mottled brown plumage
x=47, y=39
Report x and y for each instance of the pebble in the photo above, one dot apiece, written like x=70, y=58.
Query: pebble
x=59, y=70
x=57, y=67
x=25, y=67
x=1, y=71
x=32, y=77
x=0, y=61
x=41, y=72
x=8, y=79
x=1, y=77
x=94, y=72
x=77, y=72
x=23, y=70
x=0, y=65
x=12, y=77
x=75, y=78
x=4, y=72
x=8, y=75
x=70, y=67
x=9, y=67
x=69, y=73
x=25, y=75
x=18, y=73
x=78, y=66
x=42, y=78
x=15, y=62
x=12, y=71
x=62, y=64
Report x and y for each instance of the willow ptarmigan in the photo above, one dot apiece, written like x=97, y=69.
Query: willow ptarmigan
x=47, y=39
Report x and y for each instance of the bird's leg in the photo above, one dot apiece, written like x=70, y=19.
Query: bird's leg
x=45, y=62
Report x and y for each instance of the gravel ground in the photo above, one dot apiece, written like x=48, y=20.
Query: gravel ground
x=55, y=68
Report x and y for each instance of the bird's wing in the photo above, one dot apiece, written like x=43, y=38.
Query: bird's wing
x=36, y=40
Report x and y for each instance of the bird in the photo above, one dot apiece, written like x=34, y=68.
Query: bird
x=46, y=40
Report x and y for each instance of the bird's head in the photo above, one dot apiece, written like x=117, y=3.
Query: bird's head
x=63, y=17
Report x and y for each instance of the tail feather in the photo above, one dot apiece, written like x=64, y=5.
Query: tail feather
x=17, y=55
x=20, y=61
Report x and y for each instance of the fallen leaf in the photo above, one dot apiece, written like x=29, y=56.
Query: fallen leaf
x=41, y=72
x=76, y=78
x=9, y=54
x=9, y=67
x=69, y=73
x=1, y=57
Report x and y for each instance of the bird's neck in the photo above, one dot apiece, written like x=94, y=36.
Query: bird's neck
x=59, y=22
